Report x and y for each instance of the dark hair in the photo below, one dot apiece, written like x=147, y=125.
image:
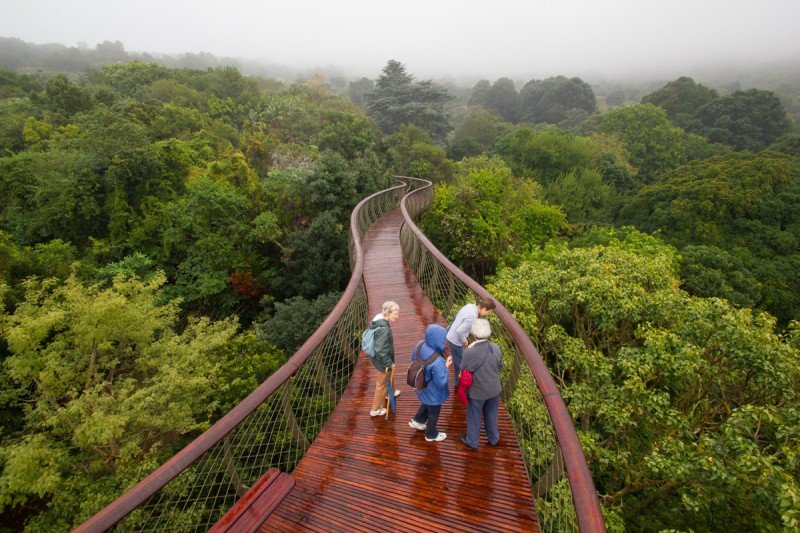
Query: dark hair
x=486, y=303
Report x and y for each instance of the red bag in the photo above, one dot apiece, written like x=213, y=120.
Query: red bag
x=464, y=383
x=465, y=380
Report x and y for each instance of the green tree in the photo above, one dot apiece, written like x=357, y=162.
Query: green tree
x=324, y=242
x=13, y=85
x=359, y=90
x=398, y=100
x=789, y=144
x=741, y=201
x=113, y=389
x=15, y=117
x=681, y=99
x=476, y=135
x=653, y=143
x=550, y=100
x=202, y=237
x=63, y=98
x=479, y=93
x=412, y=152
x=295, y=319
x=545, y=154
x=486, y=213
x=687, y=408
x=746, y=120
x=502, y=98
x=713, y=272
x=583, y=195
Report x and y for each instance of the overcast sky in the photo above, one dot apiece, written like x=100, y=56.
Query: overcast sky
x=433, y=38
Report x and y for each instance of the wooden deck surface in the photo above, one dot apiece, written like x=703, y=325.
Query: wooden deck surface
x=365, y=473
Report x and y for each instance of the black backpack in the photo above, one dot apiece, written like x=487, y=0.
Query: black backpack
x=415, y=376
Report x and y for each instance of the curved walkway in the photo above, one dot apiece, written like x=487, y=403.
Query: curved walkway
x=365, y=473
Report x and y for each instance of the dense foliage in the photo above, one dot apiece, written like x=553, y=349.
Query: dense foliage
x=486, y=212
x=554, y=100
x=147, y=217
x=743, y=211
x=169, y=237
x=687, y=408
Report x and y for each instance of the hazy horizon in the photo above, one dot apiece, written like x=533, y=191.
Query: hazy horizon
x=459, y=40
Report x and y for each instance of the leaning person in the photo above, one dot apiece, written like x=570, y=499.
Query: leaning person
x=384, y=354
x=484, y=360
x=436, y=392
x=459, y=329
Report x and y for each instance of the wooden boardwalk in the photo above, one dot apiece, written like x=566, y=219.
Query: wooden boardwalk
x=365, y=473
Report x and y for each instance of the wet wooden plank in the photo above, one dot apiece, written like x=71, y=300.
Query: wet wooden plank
x=365, y=473
x=257, y=503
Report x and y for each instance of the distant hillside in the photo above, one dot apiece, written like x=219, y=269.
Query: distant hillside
x=21, y=56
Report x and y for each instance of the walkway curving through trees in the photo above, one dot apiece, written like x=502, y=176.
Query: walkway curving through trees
x=367, y=473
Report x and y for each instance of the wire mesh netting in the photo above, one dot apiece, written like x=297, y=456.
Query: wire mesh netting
x=279, y=431
x=531, y=420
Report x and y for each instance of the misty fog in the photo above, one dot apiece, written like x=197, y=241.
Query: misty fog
x=460, y=40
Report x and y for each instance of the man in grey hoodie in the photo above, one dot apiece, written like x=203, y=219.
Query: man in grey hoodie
x=459, y=328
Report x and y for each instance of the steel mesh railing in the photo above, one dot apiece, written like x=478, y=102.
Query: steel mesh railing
x=562, y=486
x=272, y=427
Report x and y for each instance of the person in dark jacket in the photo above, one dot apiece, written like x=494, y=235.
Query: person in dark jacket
x=384, y=354
x=436, y=393
x=484, y=360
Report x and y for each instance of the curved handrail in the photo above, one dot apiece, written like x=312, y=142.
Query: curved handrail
x=363, y=215
x=584, y=497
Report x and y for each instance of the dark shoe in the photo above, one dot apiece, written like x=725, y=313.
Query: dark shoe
x=464, y=440
x=495, y=444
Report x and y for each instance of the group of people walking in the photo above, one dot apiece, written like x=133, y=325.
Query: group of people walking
x=481, y=358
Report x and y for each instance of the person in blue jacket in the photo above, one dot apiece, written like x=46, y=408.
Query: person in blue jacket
x=436, y=393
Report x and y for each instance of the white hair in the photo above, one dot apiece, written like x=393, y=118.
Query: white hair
x=388, y=307
x=481, y=328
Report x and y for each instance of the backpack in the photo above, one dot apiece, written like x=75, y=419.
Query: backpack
x=415, y=376
x=368, y=341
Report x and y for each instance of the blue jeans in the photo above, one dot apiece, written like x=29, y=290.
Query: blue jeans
x=487, y=408
x=457, y=351
x=429, y=414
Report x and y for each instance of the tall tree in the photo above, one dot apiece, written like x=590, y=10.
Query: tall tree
x=746, y=120
x=681, y=99
x=501, y=97
x=479, y=93
x=398, y=101
x=550, y=100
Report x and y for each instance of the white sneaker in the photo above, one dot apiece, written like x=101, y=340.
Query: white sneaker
x=378, y=412
x=416, y=425
x=438, y=438
x=396, y=394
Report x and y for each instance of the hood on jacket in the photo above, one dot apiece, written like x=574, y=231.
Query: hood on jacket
x=435, y=337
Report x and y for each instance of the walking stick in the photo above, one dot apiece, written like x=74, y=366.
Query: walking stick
x=390, y=392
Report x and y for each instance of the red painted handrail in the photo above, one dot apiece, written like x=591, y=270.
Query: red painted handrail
x=584, y=495
x=130, y=500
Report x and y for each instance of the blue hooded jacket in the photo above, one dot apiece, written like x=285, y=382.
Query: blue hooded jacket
x=437, y=392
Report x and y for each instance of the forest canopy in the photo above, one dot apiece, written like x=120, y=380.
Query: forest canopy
x=649, y=246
